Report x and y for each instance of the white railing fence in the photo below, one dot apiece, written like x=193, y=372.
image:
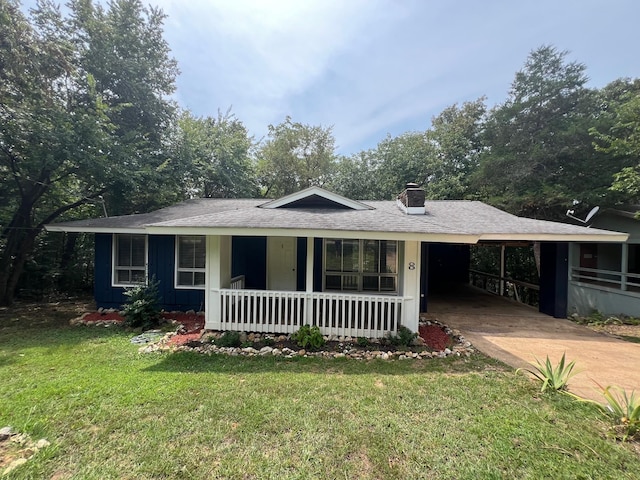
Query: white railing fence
x=237, y=283
x=606, y=278
x=267, y=311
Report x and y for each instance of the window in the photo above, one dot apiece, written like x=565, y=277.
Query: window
x=361, y=265
x=190, y=261
x=130, y=259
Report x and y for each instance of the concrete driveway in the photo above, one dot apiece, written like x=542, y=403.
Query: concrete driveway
x=517, y=334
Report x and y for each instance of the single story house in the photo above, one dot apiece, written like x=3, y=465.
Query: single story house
x=353, y=268
x=605, y=277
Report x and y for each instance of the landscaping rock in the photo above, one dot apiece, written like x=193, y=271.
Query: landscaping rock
x=5, y=432
x=42, y=443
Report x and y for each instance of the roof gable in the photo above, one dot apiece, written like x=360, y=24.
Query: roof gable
x=316, y=197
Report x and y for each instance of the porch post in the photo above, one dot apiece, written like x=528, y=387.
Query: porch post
x=218, y=268
x=502, y=254
x=411, y=285
x=624, y=268
x=308, y=284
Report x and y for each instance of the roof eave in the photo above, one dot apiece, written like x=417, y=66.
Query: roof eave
x=77, y=229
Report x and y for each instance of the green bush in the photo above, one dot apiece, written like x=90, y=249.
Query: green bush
x=142, y=310
x=229, y=339
x=404, y=337
x=308, y=337
x=363, y=342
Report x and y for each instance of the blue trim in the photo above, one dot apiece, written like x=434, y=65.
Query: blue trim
x=249, y=258
x=301, y=260
x=424, y=276
x=554, y=278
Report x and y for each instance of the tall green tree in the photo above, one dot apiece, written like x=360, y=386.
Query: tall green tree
x=123, y=48
x=70, y=129
x=295, y=156
x=539, y=151
x=456, y=139
x=216, y=153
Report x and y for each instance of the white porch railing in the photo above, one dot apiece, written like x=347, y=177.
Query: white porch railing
x=237, y=283
x=268, y=311
x=606, y=279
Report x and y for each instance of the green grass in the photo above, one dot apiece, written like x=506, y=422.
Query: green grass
x=113, y=413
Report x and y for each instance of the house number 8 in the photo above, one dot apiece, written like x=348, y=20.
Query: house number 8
x=412, y=265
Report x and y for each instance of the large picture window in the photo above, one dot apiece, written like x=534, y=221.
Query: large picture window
x=190, y=261
x=130, y=259
x=361, y=265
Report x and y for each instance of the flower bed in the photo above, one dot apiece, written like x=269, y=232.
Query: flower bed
x=192, y=322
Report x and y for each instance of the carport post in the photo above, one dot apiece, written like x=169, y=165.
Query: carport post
x=502, y=255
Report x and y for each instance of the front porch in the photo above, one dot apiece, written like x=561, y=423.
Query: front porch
x=283, y=306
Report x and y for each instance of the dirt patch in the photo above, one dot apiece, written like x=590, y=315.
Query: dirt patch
x=619, y=331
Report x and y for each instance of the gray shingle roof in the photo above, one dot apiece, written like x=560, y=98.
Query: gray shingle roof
x=443, y=217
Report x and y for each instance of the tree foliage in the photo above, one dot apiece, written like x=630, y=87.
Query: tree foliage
x=82, y=109
x=295, y=156
x=216, y=155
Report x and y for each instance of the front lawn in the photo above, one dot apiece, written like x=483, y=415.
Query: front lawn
x=110, y=412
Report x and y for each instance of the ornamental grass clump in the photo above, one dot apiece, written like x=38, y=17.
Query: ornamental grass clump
x=553, y=378
x=623, y=410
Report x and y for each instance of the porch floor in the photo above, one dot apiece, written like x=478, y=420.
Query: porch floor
x=517, y=334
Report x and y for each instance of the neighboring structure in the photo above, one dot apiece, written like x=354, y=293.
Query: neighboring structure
x=605, y=277
x=354, y=268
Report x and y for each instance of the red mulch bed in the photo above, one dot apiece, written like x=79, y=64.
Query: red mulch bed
x=435, y=337
x=192, y=322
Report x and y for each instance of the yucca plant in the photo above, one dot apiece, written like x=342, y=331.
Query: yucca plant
x=553, y=378
x=624, y=411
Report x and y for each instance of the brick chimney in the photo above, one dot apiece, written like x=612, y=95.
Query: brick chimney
x=411, y=200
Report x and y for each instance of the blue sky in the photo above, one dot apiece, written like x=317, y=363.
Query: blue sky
x=377, y=67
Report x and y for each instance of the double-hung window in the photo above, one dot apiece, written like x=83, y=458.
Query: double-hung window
x=361, y=265
x=190, y=261
x=130, y=259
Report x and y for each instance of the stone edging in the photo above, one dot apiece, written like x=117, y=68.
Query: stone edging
x=347, y=349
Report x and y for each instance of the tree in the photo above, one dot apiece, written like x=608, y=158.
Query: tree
x=618, y=135
x=539, y=152
x=456, y=138
x=216, y=156
x=68, y=135
x=295, y=156
x=123, y=48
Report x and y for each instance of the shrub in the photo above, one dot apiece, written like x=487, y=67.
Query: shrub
x=141, y=310
x=229, y=339
x=308, y=337
x=363, y=342
x=404, y=337
x=552, y=378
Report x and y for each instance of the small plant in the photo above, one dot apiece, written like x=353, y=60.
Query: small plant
x=308, y=337
x=624, y=411
x=553, y=378
x=363, y=342
x=404, y=337
x=229, y=339
x=268, y=341
x=246, y=344
x=141, y=310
